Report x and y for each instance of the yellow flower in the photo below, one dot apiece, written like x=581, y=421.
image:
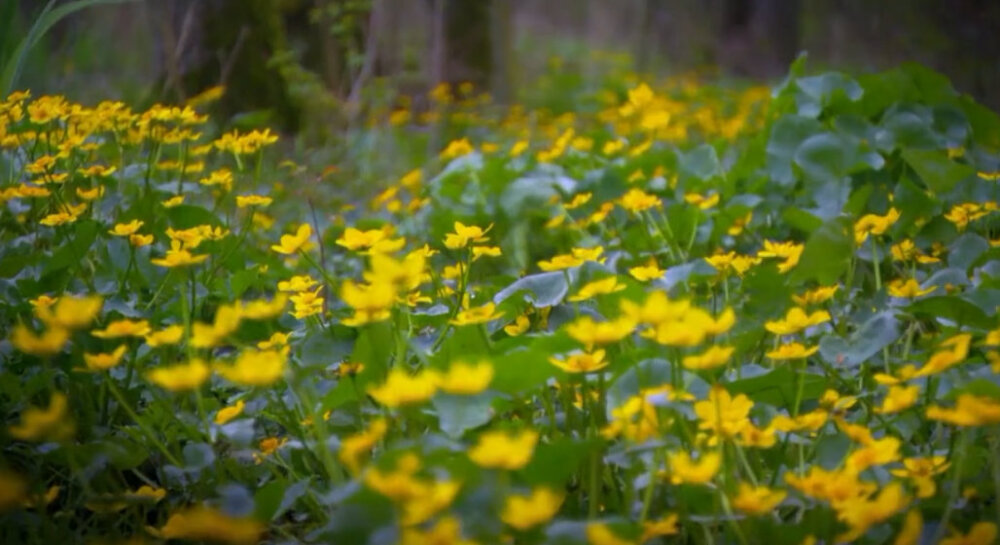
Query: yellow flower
x=465, y=379
x=951, y=352
x=908, y=288
x=123, y=328
x=757, y=500
x=180, y=377
x=126, y=229
x=969, y=411
x=104, y=361
x=307, y=303
x=723, y=414
x=477, y=315
x=701, y=201
x=457, y=148
x=525, y=512
x=371, y=303
x=899, y=398
x=255, y=368
x=921, y=471
x=487, y=251
x=501, y=450
x=262, y=309
x=400, y=388
x=206, y=524
x=47, y=344
x=519, y=326
x=581, y=362
x=981, y=533
x=375, y=239
x=861, y=514
x=49, y=424
x=71, y=312
x=714, y=357
x=636, y=200
x=876, y=452
x=140, y=240
x=598, y=287
x=684, y=470
x=177, y=256
x=173, y=201
x=647, y=272
x=167, y=336
x=913, y=526
x=243, y=201
x=354, y=448
x=791, y=351
x=226, y=414
x=291, y=244
x=666, y=526
x=560, y=262
x=590, y=333
x=796, y=320
x=874, y=224
x=600, y=534
x=296, y=283
x=816, y=296
x=464, y=234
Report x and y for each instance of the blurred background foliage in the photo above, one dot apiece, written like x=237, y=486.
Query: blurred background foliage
x=317, y=68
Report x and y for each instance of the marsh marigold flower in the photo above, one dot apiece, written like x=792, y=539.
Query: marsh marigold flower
x=104, y=361
x=255, y=367
x=757, y=500
x=465, y=234
x=180, y=377
x=290, y=244
x=503, y=450
x=722, y=413
x=465, y=379
x=685, y=470
x=525, y=512
x=477, y=315
x=226, y=414
x=581, y=362
x=796, y=320
x=49, y=424
x=206, y=524
x=401, y=388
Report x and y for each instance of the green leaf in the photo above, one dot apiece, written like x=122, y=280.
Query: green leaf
x=84, y=234
x=787, y=134
x=778, y=387
x=952, y=308
x=827, y=253
x=701, y=163
x=799, y=219
x=966, y=249
x=543, y=289
x=187, y=216
x=936, y=170
x=556, y=462
x=825, y=158
x=877, y=332
x=459, y=413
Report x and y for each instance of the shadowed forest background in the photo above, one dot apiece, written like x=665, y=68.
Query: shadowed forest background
x=312, y=67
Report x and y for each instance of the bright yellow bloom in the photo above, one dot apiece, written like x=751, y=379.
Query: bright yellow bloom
x=921, y=471
x=123, y=328
x=796, y=320
x=464, y=234
x=255, y=367
x=666, y=526
x=875, y=453
x=636, y=200
x=243, y=201
x=789, y=251
x=126, y=229
x=816, y=296
x=757, y=500
x=723, y=414
x=477, y=315
x=908, y=288
x=603, y=286
x=791, y=351
x=862, y=514
x=600, y=534
x=104, y=361
x=371, y=303
x=226, y=414
x=701, y=201
x=180, y=377
x=645, y=273
x=307, y=303
x=969, y=410
x=873, y=224
x=486, y=251
x=519, y=326
x=207, y=524
x=981, y=533
x=296, y=283
x=685, y=470
x=71, y=312
x=466, y=379
x=140, y=240
x=590, y=333
x=173, y=201
x=50, y=424
x=581, y=362
x=899, y=398
x=354, y=448
x=913, y=526
x=950, y=353
x=291, y=244
x=262, y=309
x=457, y=148
x=177, y=256
x=374, y=239
x=502, y=450
x=560, y=262
x=167, y=336
x=400, y=388
x=715, y=356
x=525, y=512
x=49, y=343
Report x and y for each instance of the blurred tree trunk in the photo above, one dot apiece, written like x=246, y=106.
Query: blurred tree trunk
x=758, y=38
x=467, y=42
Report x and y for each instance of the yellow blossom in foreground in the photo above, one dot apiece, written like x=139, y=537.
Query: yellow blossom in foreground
x=791, y=351
x=581, y=362
x=970, y=410
x=913, y=526
x=123, y=328
x=950, y=353
x=789, y=251
x=723, y=414
x=400, y=388
x=104, y=361
x=180, y=377
x=899, y=398
x=307, y=303
x=354, y=448
x=525, y=512
x=297, y=283
x=874, y=224
x=603, y=286
x=685, y=470
x=601, y=534
x=477, y=315
x=666, y=526
x=502, y=450
x=757, y=500
x=291, y=244
x=71, y=312
x=862, y=514
x=908, y=288
x=167, y=336
x=49, y=343
x=226, y=414
x=519, y=326
x=243, y=201
x=255, y=367
x=647, y=272
x=921, y=471
x=464, y=234
x=465, y=379
x=636, y=200
x=715, y=356
x=49, y=424
x=126, y=229
x=590, y=333
x=796, y=320
x=816, y=296
x=206, y=524
x=981, y=533
x=177, y=256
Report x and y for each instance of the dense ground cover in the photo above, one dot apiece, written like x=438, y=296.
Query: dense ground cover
x=684, y=313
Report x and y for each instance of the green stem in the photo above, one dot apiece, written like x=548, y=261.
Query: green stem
x=139, y=422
